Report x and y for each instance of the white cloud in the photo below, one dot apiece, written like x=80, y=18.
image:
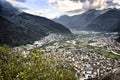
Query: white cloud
x=117, y=1
x=17, y=0
x=66, y=6
x=42, y=12
x=14, y=2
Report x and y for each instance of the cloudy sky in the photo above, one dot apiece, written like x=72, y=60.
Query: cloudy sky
x=55, y=8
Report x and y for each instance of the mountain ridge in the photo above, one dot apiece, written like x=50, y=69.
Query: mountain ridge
x=19, y=28
x=89, y=20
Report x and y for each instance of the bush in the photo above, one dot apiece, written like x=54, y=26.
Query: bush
x=36, y=66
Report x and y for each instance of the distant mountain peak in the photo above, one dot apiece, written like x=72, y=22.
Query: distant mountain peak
x=94, y=20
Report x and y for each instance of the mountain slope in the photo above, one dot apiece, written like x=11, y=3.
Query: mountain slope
x=6, y=9
x=109, y=21
x=94, y=20
x=63, y=20
x=18, y=28
x=39, y=23
x=14, y=35
x=77, y=21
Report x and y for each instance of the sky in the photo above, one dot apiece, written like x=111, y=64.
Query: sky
x=56, y=8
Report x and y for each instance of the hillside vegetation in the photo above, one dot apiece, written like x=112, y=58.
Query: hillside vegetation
x=35, y=66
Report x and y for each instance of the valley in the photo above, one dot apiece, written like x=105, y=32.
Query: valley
x=67, y=46
x=93, y=54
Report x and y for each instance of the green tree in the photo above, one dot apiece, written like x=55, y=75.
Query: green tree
x=36, y=66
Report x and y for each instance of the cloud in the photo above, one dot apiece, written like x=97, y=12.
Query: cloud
x=82, y=0
x=42, y=12
x=72, y=6
x=66, y=5
x=21, y=0
x=100, y=4
x=75, y=0
x=17, y=0
x=74, y=12
x=94, y=4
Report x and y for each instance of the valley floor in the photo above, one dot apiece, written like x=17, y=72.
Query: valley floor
x=92, y=54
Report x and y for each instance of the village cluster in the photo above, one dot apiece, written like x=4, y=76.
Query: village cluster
x=86, y=61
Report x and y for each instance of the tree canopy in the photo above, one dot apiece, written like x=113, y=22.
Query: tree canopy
x=35, y=66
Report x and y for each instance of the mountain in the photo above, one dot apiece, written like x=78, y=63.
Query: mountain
x=14, y=35
x=107, y=20
x=39, y=23
x=77, y=21
x=65, y=19
x=7, y=10
x=18, y=28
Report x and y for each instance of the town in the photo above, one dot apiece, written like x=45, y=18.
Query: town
x=92, y=54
